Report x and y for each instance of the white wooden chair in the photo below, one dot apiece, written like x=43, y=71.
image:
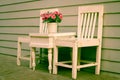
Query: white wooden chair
x=89, y=33
x=26, y=39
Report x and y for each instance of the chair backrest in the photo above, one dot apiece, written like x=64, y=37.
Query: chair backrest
x=90, y=21
x=43, y=26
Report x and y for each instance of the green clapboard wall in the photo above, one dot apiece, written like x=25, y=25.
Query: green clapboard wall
x=21, y=17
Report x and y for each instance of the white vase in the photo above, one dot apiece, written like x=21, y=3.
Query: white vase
x=52, y=27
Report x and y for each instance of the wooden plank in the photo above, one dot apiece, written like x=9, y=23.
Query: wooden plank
x=112, y=7
x=19, y=30
x=67, y=29
x=110, y=66
x=22, y=14
x=13, y=44
x=8, y=37
x=71, y=10
x=35, y=13
x=4, y=2
x=72, y=20
x=112, y=19
x=111, y=43
x=20, y=22
x=111, y=31
x=111, y=55
x=47, y=4
x=12, y=51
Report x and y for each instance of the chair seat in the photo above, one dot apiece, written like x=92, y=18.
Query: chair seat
x=25, y=39
x=69, y=42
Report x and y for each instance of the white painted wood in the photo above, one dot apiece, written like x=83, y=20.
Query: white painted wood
x=64, y=65
x=50, y=59
x=43, y=39
x=55, y=60
x=46, y=40
x=74, y=60
x=32, y=54
x=18, y=53
x=89, y=17
x=34, y=43
x=19, y=49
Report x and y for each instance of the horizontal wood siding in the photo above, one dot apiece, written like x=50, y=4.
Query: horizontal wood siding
x=21, y=17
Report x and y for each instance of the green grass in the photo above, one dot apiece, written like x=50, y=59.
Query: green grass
x=10, y=71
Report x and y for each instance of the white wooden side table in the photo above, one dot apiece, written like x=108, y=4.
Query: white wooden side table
x=38, y=40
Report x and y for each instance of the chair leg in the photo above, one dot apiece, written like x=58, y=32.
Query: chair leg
x=18, y=53
x=30, y=58
x=74, y=61
x=79, y=56
x=98, y=58
x=50, y=59
x=55, y=60
x=33, y=57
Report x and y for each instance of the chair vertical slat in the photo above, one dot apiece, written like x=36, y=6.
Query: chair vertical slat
x=44, y=24
x=40, y=29
x=93, y=28
x=83, y=26
x=80, y=25
x=45, y=28
x=87, y=25
x=90, y=26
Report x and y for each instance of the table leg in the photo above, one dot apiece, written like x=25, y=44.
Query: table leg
x=50, y=59
x=19, y=53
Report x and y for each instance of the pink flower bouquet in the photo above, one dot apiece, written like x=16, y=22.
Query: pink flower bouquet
x=51, y=17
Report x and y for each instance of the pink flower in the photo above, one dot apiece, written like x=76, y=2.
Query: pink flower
x=56, y=13
x=53, y=16
x=60, y=15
